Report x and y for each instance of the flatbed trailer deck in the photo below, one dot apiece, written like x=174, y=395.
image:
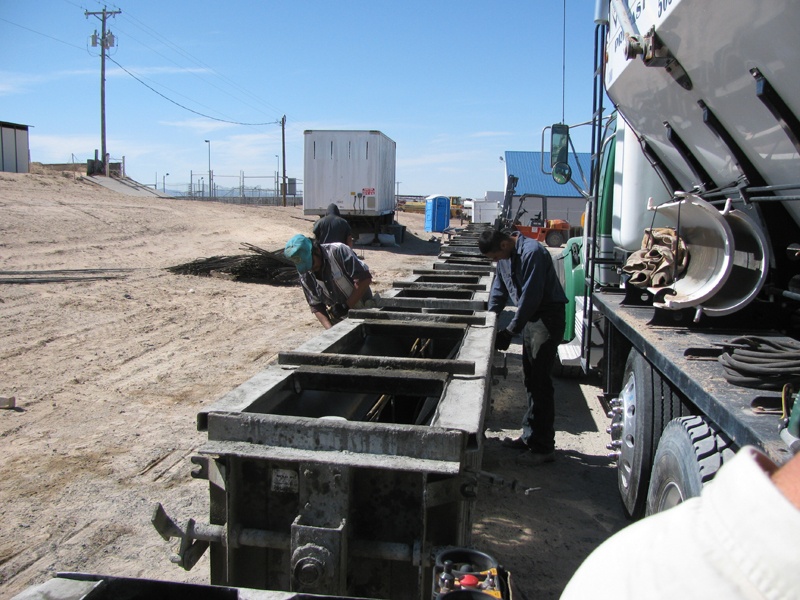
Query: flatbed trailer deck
x=688, y=359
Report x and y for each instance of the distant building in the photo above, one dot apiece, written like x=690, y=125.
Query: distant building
x=537, y=189
x=14, y=148
x=486, y=210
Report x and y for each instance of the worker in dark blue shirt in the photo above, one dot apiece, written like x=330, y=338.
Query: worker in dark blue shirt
x=525, y=275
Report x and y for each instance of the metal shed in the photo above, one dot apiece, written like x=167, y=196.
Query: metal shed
x=14, y=148
x=563, y=201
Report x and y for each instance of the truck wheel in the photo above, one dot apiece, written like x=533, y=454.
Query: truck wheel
x=689, y=455
x=647, y=404
x=554, y=239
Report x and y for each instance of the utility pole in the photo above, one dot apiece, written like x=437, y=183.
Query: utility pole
x=283, y=143
x=105, y=42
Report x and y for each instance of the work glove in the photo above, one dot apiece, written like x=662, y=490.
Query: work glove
x=503, y=339
x=340, y=310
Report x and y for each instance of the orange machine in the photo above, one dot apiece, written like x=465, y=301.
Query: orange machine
x=553, y=232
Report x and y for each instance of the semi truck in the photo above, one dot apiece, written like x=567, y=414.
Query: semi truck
x=355, y=170
x=699, y=153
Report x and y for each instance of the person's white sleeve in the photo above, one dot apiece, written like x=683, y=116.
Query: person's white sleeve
x=737, y=540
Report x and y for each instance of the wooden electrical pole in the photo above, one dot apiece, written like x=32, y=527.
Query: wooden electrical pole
x=106, y=41
x=283, y=144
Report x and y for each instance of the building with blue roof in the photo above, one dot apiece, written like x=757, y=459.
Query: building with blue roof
x=540, y=193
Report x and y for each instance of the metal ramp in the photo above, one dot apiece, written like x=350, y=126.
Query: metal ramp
x=125, y=186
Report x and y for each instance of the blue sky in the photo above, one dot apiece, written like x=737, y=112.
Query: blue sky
x=454, y=83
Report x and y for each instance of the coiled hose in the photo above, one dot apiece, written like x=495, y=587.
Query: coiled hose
x=761, y=363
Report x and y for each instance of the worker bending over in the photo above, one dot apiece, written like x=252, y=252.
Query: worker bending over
x=334, y=279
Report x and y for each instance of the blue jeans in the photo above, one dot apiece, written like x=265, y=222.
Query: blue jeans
x=538, y=424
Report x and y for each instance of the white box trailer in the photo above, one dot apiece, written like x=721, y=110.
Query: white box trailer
x=485, y=211
x=354, y=170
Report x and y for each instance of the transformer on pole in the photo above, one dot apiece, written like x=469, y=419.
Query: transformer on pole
x=105, y=41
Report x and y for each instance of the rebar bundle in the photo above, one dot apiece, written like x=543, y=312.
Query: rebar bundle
x=262, y=266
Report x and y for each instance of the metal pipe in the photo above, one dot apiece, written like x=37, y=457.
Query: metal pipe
x=774, y=188
x=785, y=293
x=772, y=198
x=261, y=538
x=453, y=367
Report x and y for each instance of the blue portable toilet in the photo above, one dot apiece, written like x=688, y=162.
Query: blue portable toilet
x=437, y=213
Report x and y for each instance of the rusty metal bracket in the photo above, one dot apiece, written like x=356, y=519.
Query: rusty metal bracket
x=194, y=539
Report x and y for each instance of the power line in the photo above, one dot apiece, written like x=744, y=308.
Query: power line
x=192, y=72
x=40, y=33
x=126, y=15
x=563, y=61
x=277, y=122
x=186, y=107
x=183, y=53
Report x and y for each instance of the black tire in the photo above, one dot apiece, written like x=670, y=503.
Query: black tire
x=648, y=403
x=554, y=239
x=689, y=455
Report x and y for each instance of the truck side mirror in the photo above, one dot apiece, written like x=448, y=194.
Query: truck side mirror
x=559, y=153
x=562, y=173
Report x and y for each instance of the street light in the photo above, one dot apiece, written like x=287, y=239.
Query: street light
x=209, y=167
x=164, y=182
x=277, y=174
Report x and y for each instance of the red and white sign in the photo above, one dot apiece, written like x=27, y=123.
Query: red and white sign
x=368, y=191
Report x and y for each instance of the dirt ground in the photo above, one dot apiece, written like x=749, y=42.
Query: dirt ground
x=109, y=370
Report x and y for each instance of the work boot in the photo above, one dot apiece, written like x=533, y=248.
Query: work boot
x=514, y=443
x=532, y=458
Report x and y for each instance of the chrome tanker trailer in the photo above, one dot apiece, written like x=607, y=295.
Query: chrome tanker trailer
x=689, y=269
